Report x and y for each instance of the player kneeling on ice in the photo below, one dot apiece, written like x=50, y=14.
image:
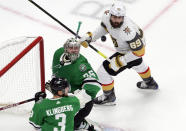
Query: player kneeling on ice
x=129, y=43
x=70, y=64
x=57, y=113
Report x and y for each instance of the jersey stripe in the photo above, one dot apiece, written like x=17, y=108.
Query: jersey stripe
x=91, y=81
x=35, y=126
x=104, y=26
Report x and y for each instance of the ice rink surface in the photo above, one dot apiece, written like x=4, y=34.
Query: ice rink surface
x=163, y=22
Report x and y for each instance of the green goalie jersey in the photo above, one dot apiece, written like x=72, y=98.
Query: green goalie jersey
x=55, y=114
x=79, y=73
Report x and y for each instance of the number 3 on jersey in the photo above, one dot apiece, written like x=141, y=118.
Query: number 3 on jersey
x=62, y=123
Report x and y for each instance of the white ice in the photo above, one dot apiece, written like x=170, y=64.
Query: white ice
x=136, y=110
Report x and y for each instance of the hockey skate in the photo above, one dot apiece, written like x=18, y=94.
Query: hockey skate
x=107, y=99
x=85, y=126
x=148, y=84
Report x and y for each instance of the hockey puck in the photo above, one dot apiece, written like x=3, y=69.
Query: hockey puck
x=103, y=38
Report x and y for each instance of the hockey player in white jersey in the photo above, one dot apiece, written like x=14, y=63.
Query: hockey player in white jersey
x=129, y=42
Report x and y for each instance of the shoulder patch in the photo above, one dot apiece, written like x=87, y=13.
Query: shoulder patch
x=127, y=30
x=82, y=67
x=106, y=12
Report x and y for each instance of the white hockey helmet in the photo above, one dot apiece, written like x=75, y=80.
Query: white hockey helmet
x=72, y=43
x=118, y=9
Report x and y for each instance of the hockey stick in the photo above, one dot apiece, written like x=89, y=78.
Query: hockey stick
x=16, y=104
x=79, y=25
x=100, y=53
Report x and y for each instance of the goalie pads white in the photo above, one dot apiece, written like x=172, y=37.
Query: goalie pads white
x=82, y=96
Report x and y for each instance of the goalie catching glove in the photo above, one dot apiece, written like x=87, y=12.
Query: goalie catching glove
x=86, y=39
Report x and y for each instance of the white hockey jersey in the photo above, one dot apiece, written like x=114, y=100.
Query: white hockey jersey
x=124, y=37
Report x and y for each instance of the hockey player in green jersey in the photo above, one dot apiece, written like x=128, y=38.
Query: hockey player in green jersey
x=56, y=114
x=70, y=64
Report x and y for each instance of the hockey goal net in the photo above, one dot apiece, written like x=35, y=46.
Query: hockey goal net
x=21, y=72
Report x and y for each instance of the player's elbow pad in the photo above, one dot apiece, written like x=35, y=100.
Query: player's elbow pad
x=137, y=46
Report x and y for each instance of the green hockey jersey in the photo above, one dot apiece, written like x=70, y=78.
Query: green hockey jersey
x=79, y=73
x=55, y=114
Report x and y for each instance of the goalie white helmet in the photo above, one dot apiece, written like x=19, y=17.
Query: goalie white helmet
x=72, y=48
x=118, y=9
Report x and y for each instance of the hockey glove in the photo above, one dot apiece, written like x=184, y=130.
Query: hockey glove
x=39, y=96
x=86, y=39
x=117, y=62
x=47, y=86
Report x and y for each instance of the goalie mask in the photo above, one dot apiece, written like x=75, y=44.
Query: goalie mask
x=72, y=48
x=117, y=13
x=60, y=84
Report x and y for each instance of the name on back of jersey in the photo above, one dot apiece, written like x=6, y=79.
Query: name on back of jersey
x=59, y=110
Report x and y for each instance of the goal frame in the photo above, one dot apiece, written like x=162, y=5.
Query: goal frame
x=38, y=40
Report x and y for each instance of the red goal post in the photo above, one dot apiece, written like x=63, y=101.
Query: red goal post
x=38, y=40
x=33, y=42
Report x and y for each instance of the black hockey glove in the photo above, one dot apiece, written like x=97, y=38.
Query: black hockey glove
x=40, y=96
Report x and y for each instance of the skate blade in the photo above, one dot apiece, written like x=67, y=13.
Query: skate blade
x=102, y=127
x=148, y=91
x=106, y=104
x=97, y=126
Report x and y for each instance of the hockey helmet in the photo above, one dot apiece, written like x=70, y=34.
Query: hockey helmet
x=72, y=48
x=59, y=84
x=118, y=9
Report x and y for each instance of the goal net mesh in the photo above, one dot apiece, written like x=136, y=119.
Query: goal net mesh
x=23, y=79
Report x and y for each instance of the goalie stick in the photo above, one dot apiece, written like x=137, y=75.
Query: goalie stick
x=38, y=6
